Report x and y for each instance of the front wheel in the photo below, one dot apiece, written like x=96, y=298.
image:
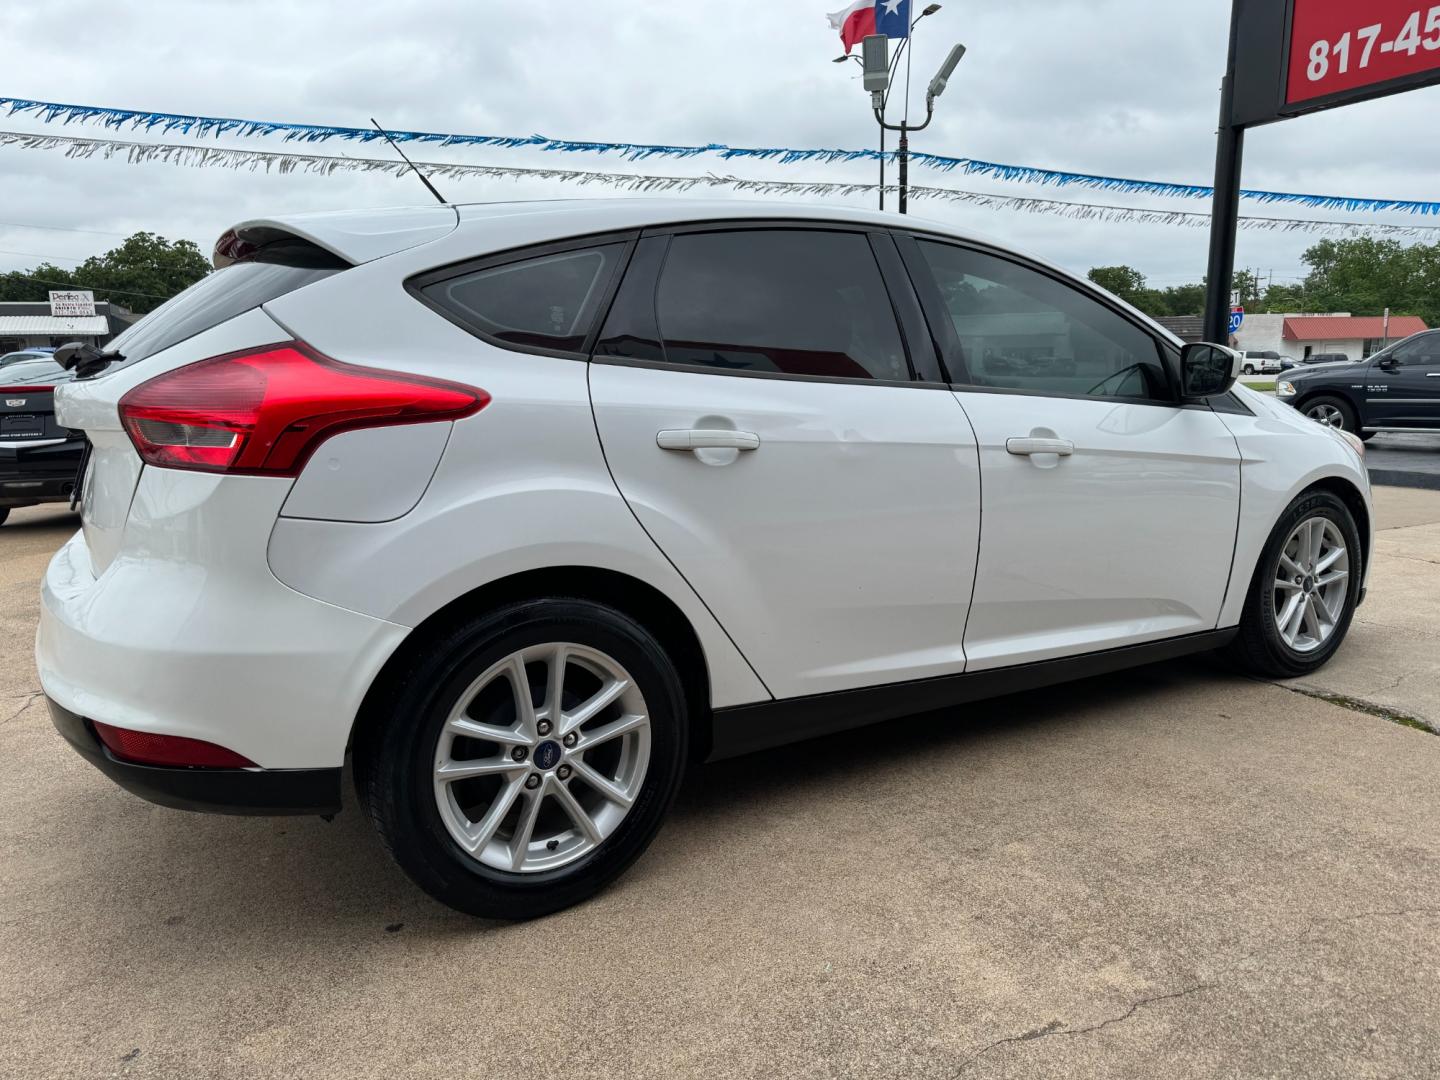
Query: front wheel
x=1332, y=411
x=526, y=759
x=1304, y=591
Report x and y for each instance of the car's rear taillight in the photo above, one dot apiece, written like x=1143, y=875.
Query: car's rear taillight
x=26, y=389
x=264, y=411
x=148, y=748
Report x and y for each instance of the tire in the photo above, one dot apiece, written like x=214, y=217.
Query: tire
x=1340, y=412
x=419, y=814
x=4, y=513
x=1261, y=647
x=1366, y=436
x=1249, y=369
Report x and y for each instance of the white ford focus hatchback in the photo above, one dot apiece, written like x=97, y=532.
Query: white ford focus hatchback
x=521, y=508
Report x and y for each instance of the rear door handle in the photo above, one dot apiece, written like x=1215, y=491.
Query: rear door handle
x=1030, y=445
x=707, y=439
x=1432, y=374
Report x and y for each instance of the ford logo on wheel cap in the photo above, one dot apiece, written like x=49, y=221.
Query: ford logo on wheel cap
x=547, y=754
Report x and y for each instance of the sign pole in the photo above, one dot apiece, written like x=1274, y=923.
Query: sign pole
x=1225, y=207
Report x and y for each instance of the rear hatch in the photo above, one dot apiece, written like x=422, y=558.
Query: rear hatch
x=217, y=314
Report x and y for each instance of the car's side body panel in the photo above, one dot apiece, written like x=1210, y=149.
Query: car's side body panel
x=841, y=551
x=1128, y=539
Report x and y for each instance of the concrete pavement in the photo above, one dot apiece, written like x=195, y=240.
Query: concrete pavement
x=1174, y=872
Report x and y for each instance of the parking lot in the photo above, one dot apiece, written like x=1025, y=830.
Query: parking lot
x=1170, y=872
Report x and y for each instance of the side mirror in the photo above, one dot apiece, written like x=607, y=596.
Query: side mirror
x=1208, y=370
x=1388, y=363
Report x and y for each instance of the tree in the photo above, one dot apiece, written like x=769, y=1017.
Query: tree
x=1364, y=276
x=1124, y=281
x=141, y=273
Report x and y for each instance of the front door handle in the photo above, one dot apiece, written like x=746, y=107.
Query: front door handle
x=1432, y=374
x=707, y=439
x=1031, y=445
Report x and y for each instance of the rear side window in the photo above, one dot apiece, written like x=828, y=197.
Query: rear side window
x=212, y=300
x=791, y=301
x=547, y=302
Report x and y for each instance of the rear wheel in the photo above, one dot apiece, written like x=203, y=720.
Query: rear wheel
x=1333, y=411
x=1249, y=369
x=1304, y=590
x=527, y=758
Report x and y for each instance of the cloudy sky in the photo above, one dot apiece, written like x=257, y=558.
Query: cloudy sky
x=1120, y=87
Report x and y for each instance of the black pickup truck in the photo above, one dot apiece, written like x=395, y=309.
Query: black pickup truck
x=1396, y=389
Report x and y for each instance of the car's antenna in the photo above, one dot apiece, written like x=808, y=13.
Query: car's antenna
x=423, y=179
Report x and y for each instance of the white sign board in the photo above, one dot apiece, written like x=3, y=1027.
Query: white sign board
x=79, y=302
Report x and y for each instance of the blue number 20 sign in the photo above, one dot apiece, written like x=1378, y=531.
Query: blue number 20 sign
x=1237, y=316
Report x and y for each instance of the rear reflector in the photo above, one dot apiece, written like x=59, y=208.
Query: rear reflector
x=147, y=748
x=264, y=411
x=26, y=389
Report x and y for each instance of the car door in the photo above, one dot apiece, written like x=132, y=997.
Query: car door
x=1402, y=387
x=756, y=399
x=1110, y=511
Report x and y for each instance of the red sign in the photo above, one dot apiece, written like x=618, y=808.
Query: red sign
x=1339, y=45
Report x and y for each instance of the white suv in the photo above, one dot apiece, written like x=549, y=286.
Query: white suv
x=523, y=507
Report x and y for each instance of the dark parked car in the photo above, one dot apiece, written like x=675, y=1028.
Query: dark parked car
x=38, y=457
x=1396, y=389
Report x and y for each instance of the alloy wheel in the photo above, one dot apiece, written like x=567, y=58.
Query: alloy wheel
x=542, y=757
x=1327, y=414
x=1312, y=580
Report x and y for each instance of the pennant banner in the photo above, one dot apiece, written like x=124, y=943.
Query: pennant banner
x=270, y=161
x=51, y=112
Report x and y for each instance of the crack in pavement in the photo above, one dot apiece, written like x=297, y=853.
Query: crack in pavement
x=30, y=699
x=1362, y=706
x=1056, y=1027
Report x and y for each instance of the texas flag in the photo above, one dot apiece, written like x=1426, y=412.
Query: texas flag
x=866, y=17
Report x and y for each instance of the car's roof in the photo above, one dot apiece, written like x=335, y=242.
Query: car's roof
x=364, y=235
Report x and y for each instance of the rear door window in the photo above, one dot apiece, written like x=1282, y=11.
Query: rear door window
x=804, y=302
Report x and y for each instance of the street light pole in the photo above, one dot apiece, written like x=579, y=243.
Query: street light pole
x=880, y=99
x=933, y=91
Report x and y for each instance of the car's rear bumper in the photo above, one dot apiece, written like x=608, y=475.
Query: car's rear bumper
x=187, y=632
x=218, y=791
x=42, y=471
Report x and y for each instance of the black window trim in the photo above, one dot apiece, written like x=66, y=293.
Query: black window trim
x=947, y=342
x=417, y=283
x=879, y=238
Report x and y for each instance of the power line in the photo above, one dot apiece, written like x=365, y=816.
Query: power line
x=56, y=228
x=82, y=285
x=40, y=255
